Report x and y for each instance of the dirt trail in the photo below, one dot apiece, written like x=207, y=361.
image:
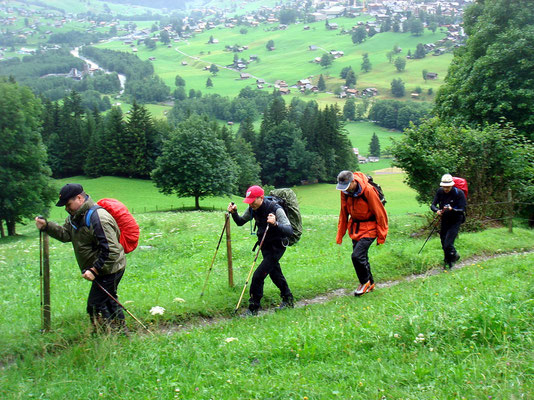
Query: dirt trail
x=324, y=297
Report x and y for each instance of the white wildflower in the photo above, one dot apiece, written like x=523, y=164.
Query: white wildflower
x=157, y=310
x=179, y=300
x=230, y=339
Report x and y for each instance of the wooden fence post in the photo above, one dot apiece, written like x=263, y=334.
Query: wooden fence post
x=46, y=284
x=511, y=212
x=229, y=253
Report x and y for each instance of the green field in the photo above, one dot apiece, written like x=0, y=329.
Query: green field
x=424, y=339
x=291, y=60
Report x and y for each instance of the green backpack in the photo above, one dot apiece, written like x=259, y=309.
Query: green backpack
x=287, y=199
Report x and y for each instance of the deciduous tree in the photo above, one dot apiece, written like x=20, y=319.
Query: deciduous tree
x=194, y=162
x=26, y=188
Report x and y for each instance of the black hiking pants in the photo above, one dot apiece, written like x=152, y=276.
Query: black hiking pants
x=99, y=305
x=448, y=233
x=272, y=252
x=360, y=259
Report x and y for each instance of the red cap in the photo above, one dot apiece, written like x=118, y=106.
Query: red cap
x=253, y=193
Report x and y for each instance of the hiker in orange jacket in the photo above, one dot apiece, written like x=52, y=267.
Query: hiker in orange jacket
x=364, y=216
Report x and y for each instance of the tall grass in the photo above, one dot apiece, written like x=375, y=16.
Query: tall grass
x=461, y=335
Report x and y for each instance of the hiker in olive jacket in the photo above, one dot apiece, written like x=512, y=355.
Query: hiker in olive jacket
x=363, y=215
x=98, y=252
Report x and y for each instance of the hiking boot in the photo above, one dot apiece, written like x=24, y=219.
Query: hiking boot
x=287, y=302
x=250, y=312
x=363, y=288
x=371, y=287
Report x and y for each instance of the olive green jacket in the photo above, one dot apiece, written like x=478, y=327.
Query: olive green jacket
x=95, y=246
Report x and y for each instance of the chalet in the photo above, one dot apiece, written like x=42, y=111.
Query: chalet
x=352, y=92
x=431, y=75
x=309, y=87
x=370, y=92
x=414, y=95
x=312, y=47
x=306, y=27
x=337, y=53
x=317, y=59
x=303, y=82
x=134, y=49
x=253, y=58
x=284, y=90
x=318, y=16
x=152, y=58
x=373, y=159
x=335, y=11
x=280, y=84
x=244, y=76
x=260, y=81
x=259, y=86
x=333, y=26
x=184, y=62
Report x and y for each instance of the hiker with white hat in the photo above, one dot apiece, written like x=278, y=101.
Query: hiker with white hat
x=449, y=203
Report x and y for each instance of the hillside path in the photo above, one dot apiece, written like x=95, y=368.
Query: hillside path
x=333, y=294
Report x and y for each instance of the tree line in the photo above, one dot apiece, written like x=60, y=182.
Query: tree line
x=44, y=139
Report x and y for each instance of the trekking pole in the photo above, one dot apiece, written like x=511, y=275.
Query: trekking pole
x=251, y=268
x=41, y=276
x=124, y=308
x=216, y=250
x=431, y=232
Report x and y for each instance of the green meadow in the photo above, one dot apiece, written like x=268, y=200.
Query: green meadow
x=459, y=334
x=291, y=60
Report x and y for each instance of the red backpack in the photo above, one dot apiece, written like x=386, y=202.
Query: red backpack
x=129, y=228
x=461, y=184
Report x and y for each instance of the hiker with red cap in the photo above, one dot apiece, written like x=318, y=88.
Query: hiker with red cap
x=449, y=203
x=266, y=212
x=98, y=252
x=363, y=215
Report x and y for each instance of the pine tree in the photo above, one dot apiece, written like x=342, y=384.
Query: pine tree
x=247, y=133
x=374, y=146
x=112, y=132
x=349, y=110
x=321, y=85
x=366, y=64
x=68, y=144
x=134, y=145
x=92, y=162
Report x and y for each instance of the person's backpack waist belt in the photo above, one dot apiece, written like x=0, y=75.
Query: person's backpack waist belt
x=359, y=221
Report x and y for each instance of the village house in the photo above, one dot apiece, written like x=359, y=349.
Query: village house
x=244, y=75
x=280, y=84
x=284, y=90
x=431, y=75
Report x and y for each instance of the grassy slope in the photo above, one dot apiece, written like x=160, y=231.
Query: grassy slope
x=291, y=59
x=459, y=335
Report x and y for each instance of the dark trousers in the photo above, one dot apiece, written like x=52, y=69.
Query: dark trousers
x=360, y=259
x=272, y=252
x=99, y=305
x=448, y=232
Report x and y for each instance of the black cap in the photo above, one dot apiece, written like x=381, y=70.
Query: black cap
x=67, y=192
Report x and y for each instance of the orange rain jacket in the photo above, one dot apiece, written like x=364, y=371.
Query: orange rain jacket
x=363, y=219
